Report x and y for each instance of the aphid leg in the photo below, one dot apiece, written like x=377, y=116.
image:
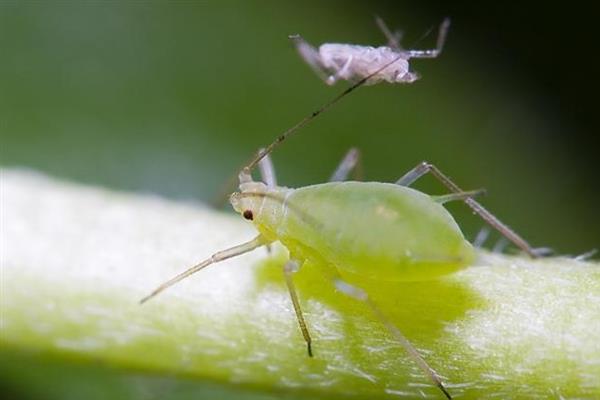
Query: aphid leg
x=458, y=196
x=288, y=271
x=215, y=258
x=350, y=163
x=586, y=256
x=332, y=79
x=267, y=175
x=488, y=217
x=311, y=56
x=500, y=245
x=481, y=237
x=393, y=38
x=361, y=295
x=441, y=40
x=543, y=251
x=267, y=171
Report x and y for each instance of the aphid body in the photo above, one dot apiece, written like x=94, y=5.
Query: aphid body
x=354, y=62
x=370, y=229
x=351, y=62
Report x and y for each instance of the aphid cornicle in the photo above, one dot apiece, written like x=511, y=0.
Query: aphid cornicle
x=384, y=231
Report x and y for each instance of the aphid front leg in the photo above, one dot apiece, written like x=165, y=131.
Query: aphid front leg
x=267, y=171
x=311, y=56
x=267, y=175
x=289, y=269
x=350, y=162
x=361, y=295
x=425, y=167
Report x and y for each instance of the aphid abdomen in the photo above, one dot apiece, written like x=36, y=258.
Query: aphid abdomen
x=376, y=230
x=364, y=61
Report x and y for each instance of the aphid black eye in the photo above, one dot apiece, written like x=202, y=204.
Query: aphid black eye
x=248, y=215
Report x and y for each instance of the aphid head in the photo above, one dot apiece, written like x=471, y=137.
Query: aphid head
x=263, y=206
x=249, y=200
x=406, y=77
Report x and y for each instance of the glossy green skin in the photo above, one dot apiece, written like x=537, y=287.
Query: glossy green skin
x=370, y=229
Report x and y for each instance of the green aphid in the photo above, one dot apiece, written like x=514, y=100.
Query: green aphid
x=380, y=231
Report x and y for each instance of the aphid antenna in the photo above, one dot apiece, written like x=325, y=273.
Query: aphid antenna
x=245, y=174
x=215, y=258
x=233, y=251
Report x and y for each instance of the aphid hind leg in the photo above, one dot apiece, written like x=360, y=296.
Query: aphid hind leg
x=215, y=258
x=361, y=295
x=289, y=269
x=350, y=163
x=425, y=167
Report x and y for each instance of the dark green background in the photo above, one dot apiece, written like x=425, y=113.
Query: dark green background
x=172, y=97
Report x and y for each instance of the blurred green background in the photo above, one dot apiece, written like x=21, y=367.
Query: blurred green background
x=172, y=97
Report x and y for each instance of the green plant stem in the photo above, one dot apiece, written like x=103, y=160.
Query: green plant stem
x=76, y=260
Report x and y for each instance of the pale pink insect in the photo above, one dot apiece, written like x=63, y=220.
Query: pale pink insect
x=351, y=62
